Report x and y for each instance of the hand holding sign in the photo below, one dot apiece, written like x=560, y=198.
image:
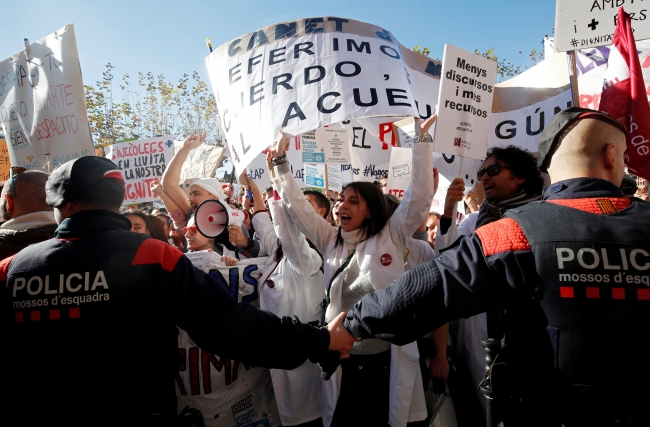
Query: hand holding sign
x=454, y=195
x=279, y=148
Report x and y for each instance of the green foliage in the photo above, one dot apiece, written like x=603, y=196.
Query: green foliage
x=424, y=51
x=149, y=108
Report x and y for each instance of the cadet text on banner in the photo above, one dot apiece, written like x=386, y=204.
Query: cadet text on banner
x=465, y=103
x=588, y=23
x=43, y=105
x=141, y=162
x=302, y=75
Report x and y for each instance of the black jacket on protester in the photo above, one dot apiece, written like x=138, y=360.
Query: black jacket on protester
x=573, y=274
x=90, y=316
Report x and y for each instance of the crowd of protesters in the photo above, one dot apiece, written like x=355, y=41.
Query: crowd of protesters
x=318, y=254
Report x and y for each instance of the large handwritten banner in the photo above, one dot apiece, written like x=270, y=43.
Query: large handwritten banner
x=141, y=162
x=42, y=103
x=306, y=74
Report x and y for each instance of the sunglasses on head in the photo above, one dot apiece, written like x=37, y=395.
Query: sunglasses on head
x=492, y=170
x=191, y=229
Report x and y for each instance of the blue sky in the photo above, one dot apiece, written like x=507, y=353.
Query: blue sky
x=168, y=37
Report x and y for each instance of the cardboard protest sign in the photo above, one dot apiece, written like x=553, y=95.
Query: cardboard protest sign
x=5, y=161
x=326, y=145
x=588, y=23
x=465, y=103
x=404, y=131
x=525, y=104
x=202, y=162
x=141, y=162
x=313, y=72
x=399, y=171
x=42, y=103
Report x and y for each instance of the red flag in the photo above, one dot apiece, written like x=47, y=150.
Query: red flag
x=624, y=95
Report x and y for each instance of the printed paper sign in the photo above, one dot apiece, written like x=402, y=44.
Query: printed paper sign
x=588, y=23
x=5, y=162
x=140, y=162
x=306, y=74
x=315, y=175
x=326, y=145
x=334, y=177
x=43, y=105
x=399, y=171
x=465, y=103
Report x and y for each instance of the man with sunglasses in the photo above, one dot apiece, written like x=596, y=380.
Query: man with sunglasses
x=573, y=275
x=510, y=179
x=88, y=318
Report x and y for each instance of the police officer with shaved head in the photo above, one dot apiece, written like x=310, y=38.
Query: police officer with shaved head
x=572, y=272
x=88, y=317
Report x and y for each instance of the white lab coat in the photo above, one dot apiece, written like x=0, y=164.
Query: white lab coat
x=297, y=289
x=406, y=390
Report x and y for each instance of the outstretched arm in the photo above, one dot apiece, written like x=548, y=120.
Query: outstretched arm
x=172, y=175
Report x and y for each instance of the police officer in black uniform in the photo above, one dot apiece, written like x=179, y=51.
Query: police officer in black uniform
x=88, y=317
x=573, y=274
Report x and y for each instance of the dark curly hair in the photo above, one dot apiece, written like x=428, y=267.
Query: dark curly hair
x=522, y=164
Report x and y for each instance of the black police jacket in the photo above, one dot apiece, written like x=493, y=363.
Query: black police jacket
x=89, y=318
x=572, y=272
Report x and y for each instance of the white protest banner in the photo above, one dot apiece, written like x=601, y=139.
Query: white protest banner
x=140, y=162
x=43, y=105
x=257, y=169
x=326, y=145
x=525, y=104
x=465, y=103
x=214, y=384
x=588, y=23
x=315, y=175
x=371, y=140
x=592, y=65
x=334, y=182
x=399, y=171
x=313, y=72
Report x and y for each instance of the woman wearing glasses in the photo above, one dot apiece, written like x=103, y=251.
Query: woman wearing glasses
x=379, y=384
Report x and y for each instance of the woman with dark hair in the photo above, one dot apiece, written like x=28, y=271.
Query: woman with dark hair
x=156, y=228
x=379, y=384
